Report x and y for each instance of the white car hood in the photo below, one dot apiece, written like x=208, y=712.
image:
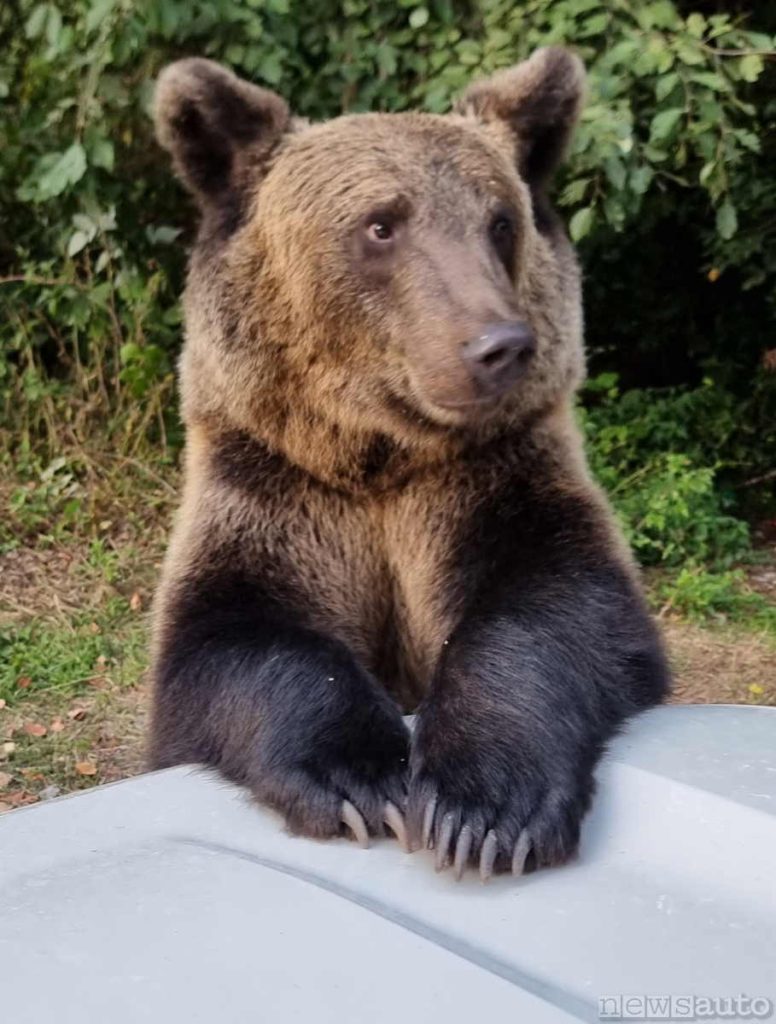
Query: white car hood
x=171, y=897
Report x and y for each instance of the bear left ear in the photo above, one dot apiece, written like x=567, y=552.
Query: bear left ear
x=539, y=101
x=218, y=128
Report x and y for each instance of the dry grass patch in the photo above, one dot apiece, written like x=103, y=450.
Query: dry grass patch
x=724, y=665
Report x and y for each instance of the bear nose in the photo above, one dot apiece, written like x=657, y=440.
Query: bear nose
x=497, y=357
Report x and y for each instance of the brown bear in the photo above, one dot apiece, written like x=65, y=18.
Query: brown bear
x=386, y=503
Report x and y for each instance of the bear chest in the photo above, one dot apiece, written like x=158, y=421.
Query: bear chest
x=382, y=579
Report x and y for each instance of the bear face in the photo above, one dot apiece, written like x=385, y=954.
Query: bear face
x=380, y=275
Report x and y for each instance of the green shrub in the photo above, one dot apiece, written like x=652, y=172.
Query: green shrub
x=697, y=594
x=660, y=456
x=669, y=190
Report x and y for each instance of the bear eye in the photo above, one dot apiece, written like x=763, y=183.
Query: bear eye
x=379, y=231
x=502, y=237
x=501, y=229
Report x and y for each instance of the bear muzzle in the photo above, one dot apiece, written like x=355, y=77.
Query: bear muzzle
x=498, y=356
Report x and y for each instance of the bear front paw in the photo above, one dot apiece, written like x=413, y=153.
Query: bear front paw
x=355, y=785
x=494, y=811
x=323, y=806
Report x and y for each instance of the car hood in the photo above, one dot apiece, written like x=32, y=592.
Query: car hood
x=172, y=897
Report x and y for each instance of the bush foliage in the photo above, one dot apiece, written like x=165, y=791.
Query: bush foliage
x=669, y=190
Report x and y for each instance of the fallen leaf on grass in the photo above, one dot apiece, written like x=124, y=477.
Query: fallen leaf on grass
x=5, y=778
x=35, y=729
x=77, y=714
x=9, y=747
x=23, y=682
x=136, y=602
x=2, y=703
x=57, y=725
x=86, y=768
x=23, y=797
x=31, y=774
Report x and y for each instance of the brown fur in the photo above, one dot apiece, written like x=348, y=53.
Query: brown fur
x=339, y=452
x=310, y=390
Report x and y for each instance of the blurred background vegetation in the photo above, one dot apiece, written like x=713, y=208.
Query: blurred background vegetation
x=670, y=192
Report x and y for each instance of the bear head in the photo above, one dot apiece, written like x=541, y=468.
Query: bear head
x=391, y=276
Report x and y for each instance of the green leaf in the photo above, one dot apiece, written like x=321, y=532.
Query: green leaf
x=101, y=154
x=664, y=123
x=36, y=22
x=659, y=14
x=53, y=26
x=689, y=52
x=696, y=25
x=270, y=69
x=581, y=223
x=614, y=212
x=84, y=223
x=419, y=17
x=709, y=79
x=751, y=67
x=666, y=85
x=98, y=11
x=640, y=179
x=469, y=52
x=707, y=171
x=594, y=25
x=727, y=220
x=748, y=139
x=437, y=99
x=615, y=172
x=78, y=241
x=68, y=169
x=164, y=234
x=386, y=59
x=574, y=192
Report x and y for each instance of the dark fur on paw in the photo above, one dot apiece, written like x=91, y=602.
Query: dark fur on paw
x=495, y=812
x=354, y=784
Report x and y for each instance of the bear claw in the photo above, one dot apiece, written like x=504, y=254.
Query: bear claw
x=394, y=819
x=352, y=818
x=428, y=823
x=443, y=843
x=458, y=841
x=462, y=851
x=521, y=851
x=488, y=855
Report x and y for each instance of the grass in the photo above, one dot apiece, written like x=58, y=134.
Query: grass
x=65, y=658
x=80, y=547
x=71, y=701
x=727, y=597
x=75, y=588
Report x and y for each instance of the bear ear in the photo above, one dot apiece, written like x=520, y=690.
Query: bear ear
x=539, y=100
x=218, y=128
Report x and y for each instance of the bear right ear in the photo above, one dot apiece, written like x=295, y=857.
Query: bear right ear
x=218, y=128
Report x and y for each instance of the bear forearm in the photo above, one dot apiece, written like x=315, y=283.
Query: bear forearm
x=584, y=648
x=219, y=682
x=527, y=693
x=284, y=710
